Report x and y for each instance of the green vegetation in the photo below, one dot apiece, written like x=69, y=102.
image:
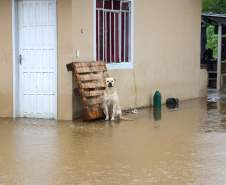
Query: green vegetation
x=213, y=6
x=212, y=40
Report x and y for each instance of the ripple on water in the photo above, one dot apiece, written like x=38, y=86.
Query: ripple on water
x=174, y=152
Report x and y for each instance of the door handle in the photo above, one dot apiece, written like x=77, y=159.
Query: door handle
x=20, y=59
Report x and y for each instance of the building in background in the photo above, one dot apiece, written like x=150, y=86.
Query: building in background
x=146, y=44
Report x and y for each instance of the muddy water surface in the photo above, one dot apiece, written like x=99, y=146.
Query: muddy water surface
x=185, y=147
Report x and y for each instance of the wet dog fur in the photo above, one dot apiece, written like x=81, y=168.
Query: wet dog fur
x=111, y=106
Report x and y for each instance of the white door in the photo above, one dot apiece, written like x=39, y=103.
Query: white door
x=37, y=50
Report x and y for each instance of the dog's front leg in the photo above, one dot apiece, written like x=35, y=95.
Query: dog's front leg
x=106, y=112
x=114, y=110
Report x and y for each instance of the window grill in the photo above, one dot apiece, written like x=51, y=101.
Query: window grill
x=113, y=31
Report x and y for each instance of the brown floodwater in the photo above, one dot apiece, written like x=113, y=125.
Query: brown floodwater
x=182, y=147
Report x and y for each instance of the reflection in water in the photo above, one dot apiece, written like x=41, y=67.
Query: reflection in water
x=216, y=117
x=157, y=114
x=36, y=152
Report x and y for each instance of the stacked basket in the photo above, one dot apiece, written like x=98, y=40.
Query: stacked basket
x=89, y=76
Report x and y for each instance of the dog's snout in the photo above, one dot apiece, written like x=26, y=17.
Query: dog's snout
x=110, y=84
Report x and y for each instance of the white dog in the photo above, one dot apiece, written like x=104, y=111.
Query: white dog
x=111, y=101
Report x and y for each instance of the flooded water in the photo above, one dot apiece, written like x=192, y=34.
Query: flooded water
x=182, y=147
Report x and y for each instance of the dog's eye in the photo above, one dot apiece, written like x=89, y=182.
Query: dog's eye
x=107, y=81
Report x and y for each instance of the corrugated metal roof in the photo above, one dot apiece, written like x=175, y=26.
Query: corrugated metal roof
x=215, y=18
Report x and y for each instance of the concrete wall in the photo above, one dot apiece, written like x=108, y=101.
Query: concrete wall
x=65, y=50
x=6, y=74
x=166, y=53
x=166, y=50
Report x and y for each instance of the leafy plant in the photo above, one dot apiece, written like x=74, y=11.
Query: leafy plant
x=214, y=6
x=212, y=40
x=217, y=7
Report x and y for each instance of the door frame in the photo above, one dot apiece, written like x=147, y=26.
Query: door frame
x=15, y=44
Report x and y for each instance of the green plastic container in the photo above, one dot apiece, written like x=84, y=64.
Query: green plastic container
x=157, y=114
x=157, y=100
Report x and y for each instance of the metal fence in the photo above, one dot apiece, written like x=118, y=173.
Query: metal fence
x=113, y=33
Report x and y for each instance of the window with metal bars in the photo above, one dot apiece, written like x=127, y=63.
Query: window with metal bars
x=113, y=31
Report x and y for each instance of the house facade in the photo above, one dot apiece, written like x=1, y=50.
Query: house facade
x=146, y=44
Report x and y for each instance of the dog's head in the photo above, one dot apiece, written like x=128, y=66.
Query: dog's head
x=110, y=82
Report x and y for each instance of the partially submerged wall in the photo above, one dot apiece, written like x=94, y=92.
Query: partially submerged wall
x=65, y=50
x=166, y=52
x=6, y=67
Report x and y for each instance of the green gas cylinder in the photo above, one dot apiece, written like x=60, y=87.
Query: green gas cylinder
x=157, y=99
